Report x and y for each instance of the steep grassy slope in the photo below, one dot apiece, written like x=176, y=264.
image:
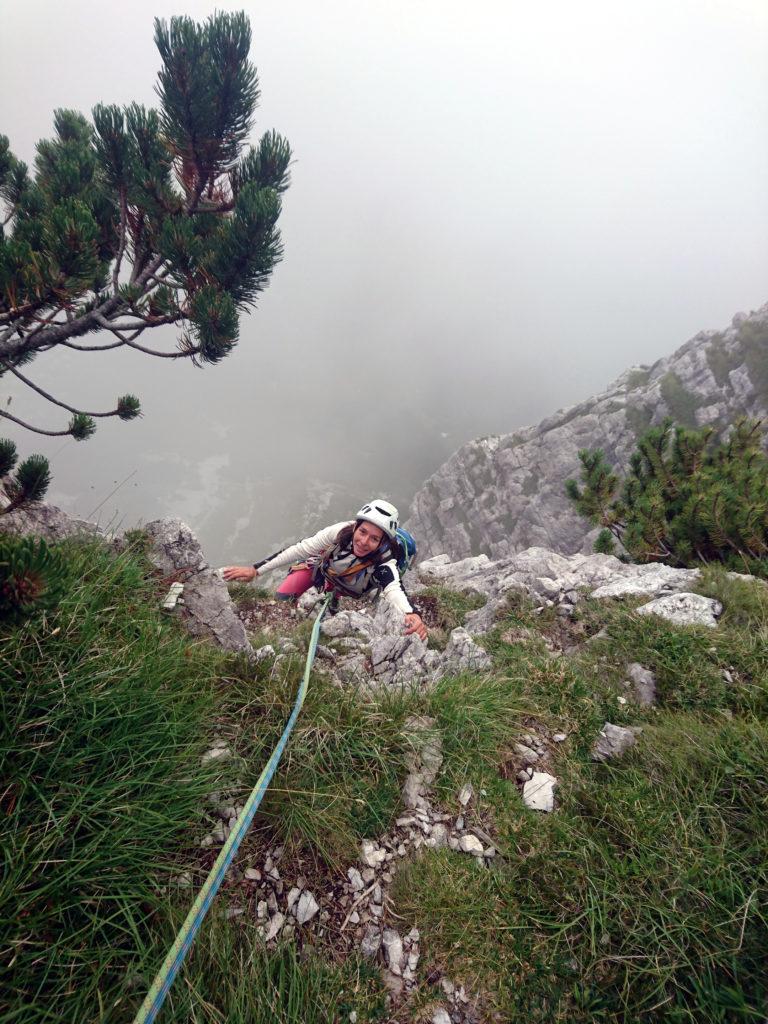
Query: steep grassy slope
x=642, y=898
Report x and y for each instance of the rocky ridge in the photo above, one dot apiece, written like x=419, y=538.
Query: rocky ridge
x=502, y=494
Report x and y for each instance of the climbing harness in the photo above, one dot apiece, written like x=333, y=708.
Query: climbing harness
x=183, y=941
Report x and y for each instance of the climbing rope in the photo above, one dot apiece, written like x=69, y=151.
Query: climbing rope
x=161, y=985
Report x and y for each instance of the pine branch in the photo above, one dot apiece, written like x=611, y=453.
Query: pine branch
x=55, y=401
x=36, y=430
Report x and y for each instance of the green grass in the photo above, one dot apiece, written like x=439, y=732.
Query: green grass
x=341, y=775
x=230, y=978
x=246, y=596
x=448, y=609
x=641, y=899
x=104, y=706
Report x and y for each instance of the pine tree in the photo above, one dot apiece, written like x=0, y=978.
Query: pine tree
x=687, y=497
x=144, y=217
x=28, y=484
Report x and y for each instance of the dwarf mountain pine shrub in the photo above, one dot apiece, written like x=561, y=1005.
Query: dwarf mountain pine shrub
x=687, y=497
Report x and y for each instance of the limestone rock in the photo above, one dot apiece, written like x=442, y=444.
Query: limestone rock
x=43, y=520
x=643, y=683
x=613, y=741
x=685, y=610
x=306, y=908
x=471, y=844
x=539, y=792
x=274, y=926
x=393, y=950
x=371, y=854
x=505, y=493
x=176, y=550
x=465, y=795
x=371, y=942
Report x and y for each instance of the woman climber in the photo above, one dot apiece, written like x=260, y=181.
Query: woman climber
x=353, y=559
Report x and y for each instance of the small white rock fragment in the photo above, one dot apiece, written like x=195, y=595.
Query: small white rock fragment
x=275, y=924
x=252, y=874
x=371, y=943
x=466, y=794
x=293, y=895
x=471, y=844
x=559, y=737
x=371, y=855
x=355, y=879
x=441, y=1016
x=393, y=949
x=216, y=753
x=306, y=908
x=539, y=792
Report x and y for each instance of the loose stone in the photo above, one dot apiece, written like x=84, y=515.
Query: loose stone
x=471, y=844
x=275, y=924
x=293, y=895
x=393, y=949
x=538, y=792
x=306, y=908
x=355, y=879
x=371, y=943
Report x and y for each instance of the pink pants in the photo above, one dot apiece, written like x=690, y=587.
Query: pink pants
x=294, y=585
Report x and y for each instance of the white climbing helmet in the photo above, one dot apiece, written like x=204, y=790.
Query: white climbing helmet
x=382, y=514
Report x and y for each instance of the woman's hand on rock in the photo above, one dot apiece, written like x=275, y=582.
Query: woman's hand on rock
x=414, y=624
x=239, y=573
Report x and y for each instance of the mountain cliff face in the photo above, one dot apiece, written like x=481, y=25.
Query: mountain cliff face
x=499, y=495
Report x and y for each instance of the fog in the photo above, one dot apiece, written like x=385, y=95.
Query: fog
x=494, y=210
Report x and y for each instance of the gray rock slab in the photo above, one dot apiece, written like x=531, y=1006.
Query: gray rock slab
x=643, y=683
x=176, y=552
x=613, y=741
x=685, y=610
x=393, y=949
x=43, y=520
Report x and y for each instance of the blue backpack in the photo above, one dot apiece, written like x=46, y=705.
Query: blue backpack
x=407, y=553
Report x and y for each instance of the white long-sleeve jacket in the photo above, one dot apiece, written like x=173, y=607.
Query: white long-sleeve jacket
x=311, y=547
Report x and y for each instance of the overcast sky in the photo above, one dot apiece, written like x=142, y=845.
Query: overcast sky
x=495, y=209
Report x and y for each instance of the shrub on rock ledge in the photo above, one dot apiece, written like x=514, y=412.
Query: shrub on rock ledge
x=686, y=499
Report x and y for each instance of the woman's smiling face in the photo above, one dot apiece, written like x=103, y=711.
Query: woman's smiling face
x=366, y=539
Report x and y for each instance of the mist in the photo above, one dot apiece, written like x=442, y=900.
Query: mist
x=494, y=210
